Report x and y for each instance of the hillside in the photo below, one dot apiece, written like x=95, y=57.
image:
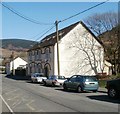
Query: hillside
x=7, y=53
x=16, y=44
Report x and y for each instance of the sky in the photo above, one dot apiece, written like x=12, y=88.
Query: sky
x=16, y=27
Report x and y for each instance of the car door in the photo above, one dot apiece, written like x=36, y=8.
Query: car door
x=49, y=80
x=78, y=82
x=34, y=77
x=72, y=82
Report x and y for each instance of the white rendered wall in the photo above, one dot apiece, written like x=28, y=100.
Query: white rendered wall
x=17, y=63
x=73, y=59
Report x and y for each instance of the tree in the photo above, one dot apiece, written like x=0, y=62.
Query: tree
x=105, y=26
x=100, y=23
x=88, y=52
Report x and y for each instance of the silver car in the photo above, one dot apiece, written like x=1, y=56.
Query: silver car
x=54, y=80
x=37, y=77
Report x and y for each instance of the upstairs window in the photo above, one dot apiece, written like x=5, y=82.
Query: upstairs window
x=47, y=53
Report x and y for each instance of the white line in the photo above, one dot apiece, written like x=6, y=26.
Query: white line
x=11, y=91
x=7, y=105
x=28, y=104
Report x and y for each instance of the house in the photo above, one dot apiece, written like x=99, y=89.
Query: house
x=16, y=63
x=2, y=67
x=108, y=68
x=80, y=52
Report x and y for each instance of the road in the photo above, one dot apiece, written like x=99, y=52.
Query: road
x=24, y=96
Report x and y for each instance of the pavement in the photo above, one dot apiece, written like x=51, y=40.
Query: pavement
x=102, y=90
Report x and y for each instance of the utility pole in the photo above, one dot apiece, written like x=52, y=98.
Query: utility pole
x=12, y=56
x=58, y=62
x=119, y=47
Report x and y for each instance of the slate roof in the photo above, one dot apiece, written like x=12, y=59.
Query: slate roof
x=52, y=39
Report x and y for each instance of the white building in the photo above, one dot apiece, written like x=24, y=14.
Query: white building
x=15, y=64
x=108, y=68
x=80, y=52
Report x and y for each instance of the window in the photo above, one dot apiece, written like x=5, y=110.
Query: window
x=79, y=79
x=39, y=54
x=32, y=52
x=47, y=54
x=61, y=77
x=35, y=55
x=90, y=78
x=73, y=79
x=30, y=56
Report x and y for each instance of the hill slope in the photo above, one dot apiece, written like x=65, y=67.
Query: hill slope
x=18, y=46
x=16, y=43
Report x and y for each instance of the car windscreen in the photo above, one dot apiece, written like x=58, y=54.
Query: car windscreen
x=90, y=78
x=52, y=77
x=39, y=75
x=61, y=77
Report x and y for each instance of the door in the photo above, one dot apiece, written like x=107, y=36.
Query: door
x=72, y=82
x=46, y=72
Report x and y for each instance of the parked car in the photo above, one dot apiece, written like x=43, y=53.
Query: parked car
x=81, y=83
x=54, y=80
x=37, y=77
x=113, y=87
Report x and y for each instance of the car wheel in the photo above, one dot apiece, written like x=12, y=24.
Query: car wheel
x=44, y=83
x=112, y=93
x=33, y=81
x=53, y=84
x=65, y=87
x=79, y=89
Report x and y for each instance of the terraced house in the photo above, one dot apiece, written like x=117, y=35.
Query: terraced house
x=80, y=52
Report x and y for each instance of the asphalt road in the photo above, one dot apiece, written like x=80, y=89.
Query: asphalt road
x=24, y=96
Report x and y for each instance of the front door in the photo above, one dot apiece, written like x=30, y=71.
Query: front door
x=46, y=72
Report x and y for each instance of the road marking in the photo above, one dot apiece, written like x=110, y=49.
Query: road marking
x=11, y=91
x=16, y=103
x=28, y=104
x=13, y=98
x=7, y=105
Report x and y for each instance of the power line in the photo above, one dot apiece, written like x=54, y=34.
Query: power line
x=45, y=32
x=23, y=16
x=39, y=33
x=83, y=11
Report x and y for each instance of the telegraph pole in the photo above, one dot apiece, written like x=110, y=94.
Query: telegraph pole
x=13, y=72
x=58, y=62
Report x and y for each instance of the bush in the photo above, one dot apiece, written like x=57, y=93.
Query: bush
x=118, y=75
x=102, y=83
x=103, y=80
x=114, y=77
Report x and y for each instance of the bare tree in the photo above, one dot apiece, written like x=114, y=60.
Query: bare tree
x=105, y=26
x=100, y=23
x=88, y=53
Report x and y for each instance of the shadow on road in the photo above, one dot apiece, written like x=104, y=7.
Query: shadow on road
x=104, y=98
x=49, y=86
x=72, y=91
x=14, y=77
x=30, y=82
